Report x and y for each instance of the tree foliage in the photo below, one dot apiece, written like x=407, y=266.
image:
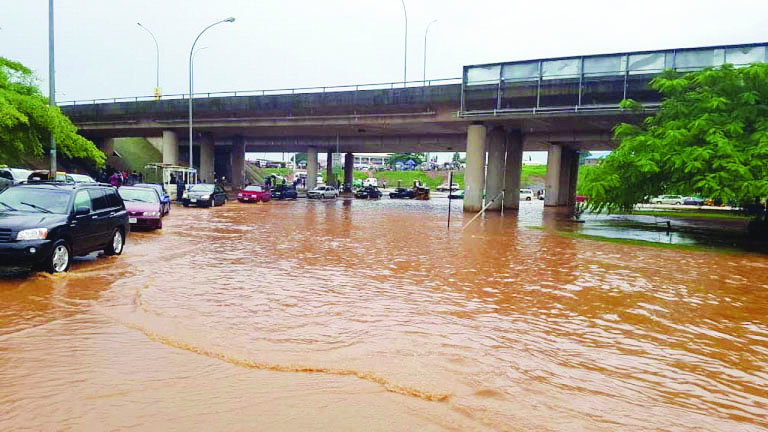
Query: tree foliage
x=27, y=121
x=418, y=158
x=710, y=137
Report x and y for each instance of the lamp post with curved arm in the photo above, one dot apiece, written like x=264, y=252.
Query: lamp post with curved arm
x=425, y=49
x=191, y=87
x=157, y=61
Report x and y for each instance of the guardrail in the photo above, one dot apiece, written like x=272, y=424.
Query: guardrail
x=269, y=92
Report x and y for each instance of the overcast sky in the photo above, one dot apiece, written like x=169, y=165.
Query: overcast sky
x=101, y=52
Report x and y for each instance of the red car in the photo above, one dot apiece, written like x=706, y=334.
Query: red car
x=581, y=198
x=254, y=194
x=143, y=206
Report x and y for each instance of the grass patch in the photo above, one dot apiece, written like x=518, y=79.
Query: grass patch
x=635, y=242
x=682, y=214
x=135, y=154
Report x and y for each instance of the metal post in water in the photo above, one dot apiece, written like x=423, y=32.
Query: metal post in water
x=450, y=189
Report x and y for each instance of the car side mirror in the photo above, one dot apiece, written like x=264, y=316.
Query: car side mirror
x=82, y=211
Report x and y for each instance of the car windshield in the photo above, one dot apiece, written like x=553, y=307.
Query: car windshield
x=201, y=188
x=156, y=187
x=253, y=188
x=34, y=200
x=140, y=195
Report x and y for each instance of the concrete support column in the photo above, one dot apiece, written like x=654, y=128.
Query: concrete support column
x=329, y=177
x=238, y=161
x=207, y=158
x=349, y=169
x=170, y=147
x=494, y=178
x=565, y=176
x=474, y=174
x=574, y=179
x=553, y=175
x=311, y=168
x=512, y=170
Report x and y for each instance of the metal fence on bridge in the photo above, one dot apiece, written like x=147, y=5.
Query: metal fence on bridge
x=269, y=92
x=585, y=83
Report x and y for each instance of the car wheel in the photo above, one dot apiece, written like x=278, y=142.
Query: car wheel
x=677, y=203
x=658, y=202
x=115, y=246
x=185, y=205
x=528, y=199
x=60, y=258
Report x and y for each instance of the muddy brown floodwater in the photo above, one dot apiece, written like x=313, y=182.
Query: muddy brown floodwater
x=351, y=315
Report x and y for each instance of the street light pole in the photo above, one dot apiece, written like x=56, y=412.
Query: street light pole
x=405, y=49
x=157, y=61
x=191, y=52
x=51, y=82
x=425, y=49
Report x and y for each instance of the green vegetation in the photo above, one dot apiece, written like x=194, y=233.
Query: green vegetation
x=134, y=153
x=710, y=138
x=27, y=121
x=703, y=214
x=531, y=172
x=417, y=158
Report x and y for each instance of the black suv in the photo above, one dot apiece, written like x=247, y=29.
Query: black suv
x=45, y=224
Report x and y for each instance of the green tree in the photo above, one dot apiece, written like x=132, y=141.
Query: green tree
x=27, y=121
x=456, y=157
x=710, y=137
x=418, y=158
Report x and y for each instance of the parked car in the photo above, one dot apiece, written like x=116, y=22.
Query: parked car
x=79, y=178
x=165, y=199
x=402, y=193
x=254, y=194
x=459, y=194
x=445, y=188
x=581, y=198
x=668, y=199
x=144, y=207
x=45, y=224
x=694, y=201
x=11, y=176
x=526, y=195
x=323, y=192
x=282, y=191
x=204, y=195
x=370, y=181
x=368, y=192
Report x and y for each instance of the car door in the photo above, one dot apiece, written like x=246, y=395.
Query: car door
x=81, y=227
x=100, y=217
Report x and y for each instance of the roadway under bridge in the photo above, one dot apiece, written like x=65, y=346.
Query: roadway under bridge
x=493, y=112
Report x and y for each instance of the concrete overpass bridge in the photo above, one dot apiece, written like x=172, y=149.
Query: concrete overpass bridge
x=493, y=112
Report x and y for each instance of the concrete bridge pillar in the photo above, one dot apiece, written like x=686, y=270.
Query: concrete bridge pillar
x=513, y=169
x=494, y=181
x=349, y=169
x=238, y=161
x=170, y=147
x=329, y=177
x=554, y=159
x=474, y=174
x=311, y=167
x=206, y=158
x=574, y=179
x=565, y=176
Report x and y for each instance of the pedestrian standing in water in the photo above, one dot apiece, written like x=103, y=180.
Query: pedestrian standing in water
x=179, y=188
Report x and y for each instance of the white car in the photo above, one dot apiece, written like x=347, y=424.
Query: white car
x=80, y=178
x=370, y=181
x=13, y=175
x=323, y=192
x=444, y=187
x=668, y=199
x=526, y=195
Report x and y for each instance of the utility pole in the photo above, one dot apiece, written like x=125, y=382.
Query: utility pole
x=51, y=83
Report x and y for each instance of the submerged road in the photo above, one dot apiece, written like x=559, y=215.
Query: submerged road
x=352, y=315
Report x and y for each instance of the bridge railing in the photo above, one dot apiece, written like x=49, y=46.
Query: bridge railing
x=268, y=92
x=587, y=82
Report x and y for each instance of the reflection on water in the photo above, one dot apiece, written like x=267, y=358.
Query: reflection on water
x=372, y=315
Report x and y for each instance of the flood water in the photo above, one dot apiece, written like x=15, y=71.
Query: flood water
x=352, y=315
